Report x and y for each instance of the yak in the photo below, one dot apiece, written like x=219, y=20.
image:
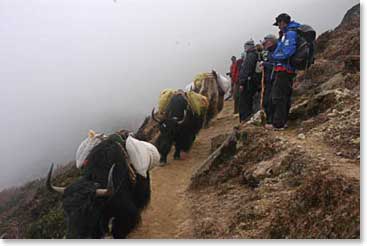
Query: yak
x=179, y=126
x=88, y=208
x=211, y=89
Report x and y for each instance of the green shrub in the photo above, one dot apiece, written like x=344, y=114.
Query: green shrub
x=50, y=225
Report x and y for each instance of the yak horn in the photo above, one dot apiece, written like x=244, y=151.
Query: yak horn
x=109, y=190
x=154, y=118
x=184, y=118
x=49, y=185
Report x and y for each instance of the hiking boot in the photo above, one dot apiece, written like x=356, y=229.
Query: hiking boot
x=269, y=126
x=278, y=129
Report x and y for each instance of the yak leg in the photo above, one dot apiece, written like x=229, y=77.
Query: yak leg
x=177, y=154
x=124, y=224
x=126, y=215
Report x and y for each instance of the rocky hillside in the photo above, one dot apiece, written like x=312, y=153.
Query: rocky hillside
x=300, y=183
x=242, y=181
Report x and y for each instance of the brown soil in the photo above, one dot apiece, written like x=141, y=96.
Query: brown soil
x=168, y=214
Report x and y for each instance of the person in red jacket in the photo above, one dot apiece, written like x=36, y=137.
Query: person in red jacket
x=234, y=73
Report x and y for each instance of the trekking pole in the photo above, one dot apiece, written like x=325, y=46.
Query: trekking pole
x=262, y=89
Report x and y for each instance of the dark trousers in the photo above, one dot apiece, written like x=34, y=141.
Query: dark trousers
x=267, y=101
x=281, y=93
x=247, y=100
x=236, y=97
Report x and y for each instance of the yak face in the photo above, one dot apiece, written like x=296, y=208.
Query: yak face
x=174, y=119
x=100, y=160
x=83, y=210
x=168, y=129
x=83, y=203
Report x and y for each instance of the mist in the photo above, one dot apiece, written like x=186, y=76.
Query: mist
x=70, y=66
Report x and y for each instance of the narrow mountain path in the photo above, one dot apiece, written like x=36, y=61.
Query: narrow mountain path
x=168, y=214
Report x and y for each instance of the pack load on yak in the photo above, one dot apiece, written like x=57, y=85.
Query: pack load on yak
x=223, y=82
x=199, y=78
x=303, y=58
x=164, y=99
x=197, y=102
x=142, y=154
x=190, y=87
x=86, y=146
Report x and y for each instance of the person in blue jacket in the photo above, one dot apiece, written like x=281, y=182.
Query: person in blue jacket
x=284, y=73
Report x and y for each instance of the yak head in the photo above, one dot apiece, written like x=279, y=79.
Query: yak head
x=168, y=128
x=83, y=203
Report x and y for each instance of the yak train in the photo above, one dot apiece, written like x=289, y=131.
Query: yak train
x=115, y=185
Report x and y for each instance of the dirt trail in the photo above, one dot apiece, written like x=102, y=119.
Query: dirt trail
x=168, y=214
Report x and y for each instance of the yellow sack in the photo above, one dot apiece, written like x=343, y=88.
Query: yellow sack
x=164, y=99
x=199, y=79
x=198, y=103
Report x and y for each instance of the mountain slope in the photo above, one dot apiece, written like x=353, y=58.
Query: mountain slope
x=300, y=183
x=303, y=182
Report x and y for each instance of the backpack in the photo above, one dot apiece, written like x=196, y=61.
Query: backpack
x=303, y=58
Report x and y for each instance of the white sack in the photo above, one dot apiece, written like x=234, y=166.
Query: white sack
x=86, y=146
x=190, y=87
x=143, y=155
x=224, y=83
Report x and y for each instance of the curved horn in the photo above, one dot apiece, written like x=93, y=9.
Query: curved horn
x=49, y=185
x=109, y=189
x=154, y=118
x=184, y=118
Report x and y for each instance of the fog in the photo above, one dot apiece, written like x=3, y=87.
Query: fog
x=69, y=66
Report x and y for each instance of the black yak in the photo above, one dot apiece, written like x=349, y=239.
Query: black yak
x=179, y=126
x=89, y=208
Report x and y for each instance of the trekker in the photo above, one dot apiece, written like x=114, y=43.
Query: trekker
x=234, y=82
x=236, y=91
x=269, y=43
x=247, y=81
x=284, y=73
x=232, y=72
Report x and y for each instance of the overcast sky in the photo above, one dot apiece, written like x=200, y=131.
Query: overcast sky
x=68, y=66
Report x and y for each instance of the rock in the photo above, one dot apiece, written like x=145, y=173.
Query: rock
x=250, y=180
x=356, y=141
x=339, y=153
x=316, y=104
x=258, y=119
x=301, y=136
x=336, y=81
x=334, y=113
